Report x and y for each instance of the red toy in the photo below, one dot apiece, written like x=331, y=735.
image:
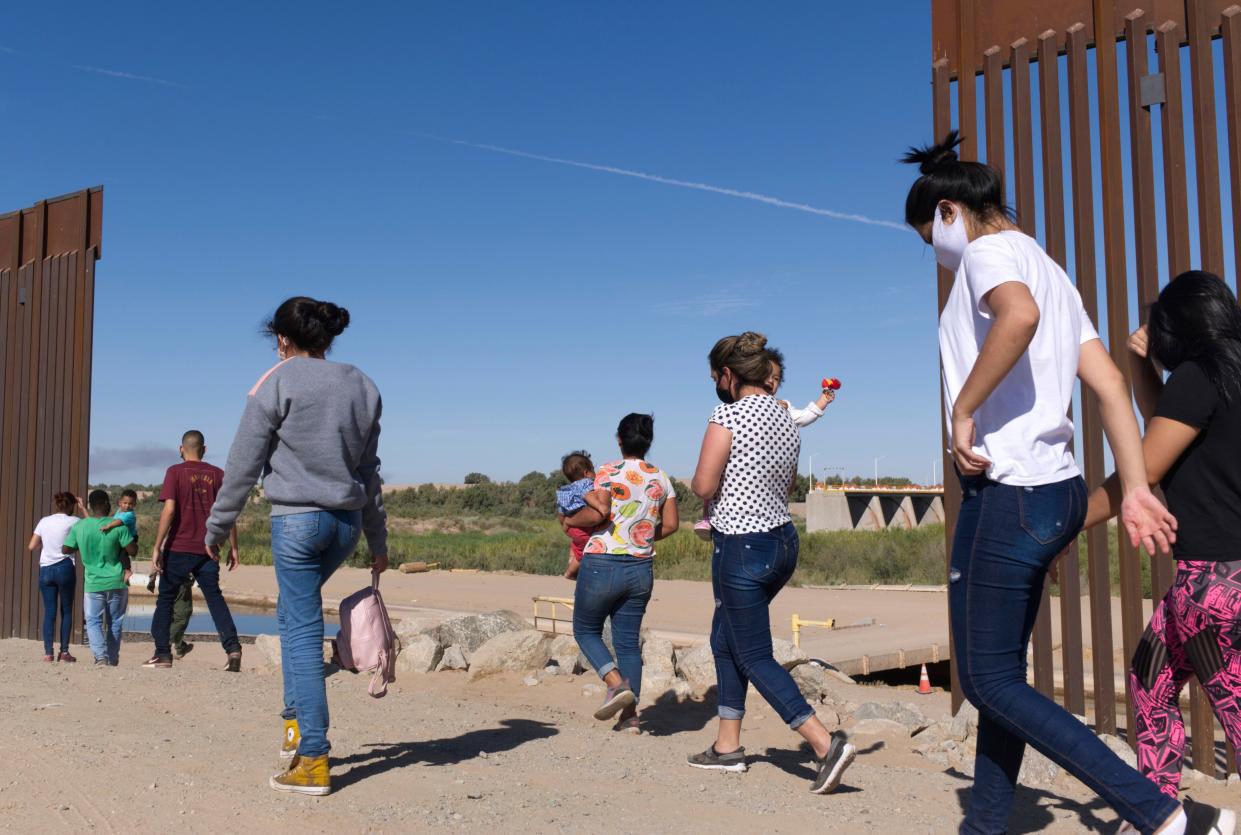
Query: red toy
x=832, y=383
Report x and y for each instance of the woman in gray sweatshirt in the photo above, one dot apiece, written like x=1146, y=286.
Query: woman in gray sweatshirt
x=310, y=430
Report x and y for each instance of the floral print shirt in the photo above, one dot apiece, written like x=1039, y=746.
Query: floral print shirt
x=638, y=492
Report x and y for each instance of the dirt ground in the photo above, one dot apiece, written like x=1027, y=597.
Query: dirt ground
x=127, y=749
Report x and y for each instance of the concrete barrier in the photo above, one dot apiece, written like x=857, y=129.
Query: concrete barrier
x=872, y=510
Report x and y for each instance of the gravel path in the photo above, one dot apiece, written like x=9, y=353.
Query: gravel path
x=127, y=749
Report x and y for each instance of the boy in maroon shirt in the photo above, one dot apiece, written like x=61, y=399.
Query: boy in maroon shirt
x=180, y=551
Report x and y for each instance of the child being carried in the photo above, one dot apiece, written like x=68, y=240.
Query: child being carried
x=574, y=496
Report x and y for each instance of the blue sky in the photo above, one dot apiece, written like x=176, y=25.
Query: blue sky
x=510, y=308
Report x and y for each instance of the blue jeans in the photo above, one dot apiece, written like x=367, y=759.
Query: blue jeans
x=747, y=572
x=1006, y=537
x=307, y=548
x=57, y=583
x=105, y=641
x=616, y=586
x=179, y=568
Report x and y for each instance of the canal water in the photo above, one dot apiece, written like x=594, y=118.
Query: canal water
x=250, y=621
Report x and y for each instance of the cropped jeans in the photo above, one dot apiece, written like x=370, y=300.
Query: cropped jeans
x=616, y=586
x=747, y=572
x=307, y=548
x=57, y=583
x=1005, y=539
x=105, y=639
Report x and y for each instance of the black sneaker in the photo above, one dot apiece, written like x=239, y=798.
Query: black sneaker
x=183, y=649
x=234, y=663
x=732, y=761
x=840, y=755
x=1207, y=820
x=158, y=662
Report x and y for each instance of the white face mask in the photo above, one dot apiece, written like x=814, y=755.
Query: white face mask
x=949, y=239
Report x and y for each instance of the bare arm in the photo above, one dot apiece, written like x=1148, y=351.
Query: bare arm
x=36, y=543
x=233, y=553
x=717, y=446
x=1016, y=319
x=1146, y=520
x=669, y=519
x=1165, y=442
x=598, y=509
x=1147, y=384
x=165, y=525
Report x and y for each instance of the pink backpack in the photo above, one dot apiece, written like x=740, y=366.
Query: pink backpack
x=366, y=641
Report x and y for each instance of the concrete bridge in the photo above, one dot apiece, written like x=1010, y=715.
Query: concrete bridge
x=873, y=509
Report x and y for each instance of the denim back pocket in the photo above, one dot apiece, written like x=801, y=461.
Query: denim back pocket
x=299, y=527
x=760, y=555
x=1046, y=512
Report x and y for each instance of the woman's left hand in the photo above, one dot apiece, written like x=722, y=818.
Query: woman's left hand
x=1147, y=521
x=379, y=563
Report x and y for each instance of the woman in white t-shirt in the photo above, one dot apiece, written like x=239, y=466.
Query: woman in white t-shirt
x=1013, y=337
x=58, y=576
x=746, y=468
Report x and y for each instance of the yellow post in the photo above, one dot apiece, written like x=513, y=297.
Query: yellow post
x=798, y=623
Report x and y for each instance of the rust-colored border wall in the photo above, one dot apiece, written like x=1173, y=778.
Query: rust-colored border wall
x=999, y=40
x=47, y=277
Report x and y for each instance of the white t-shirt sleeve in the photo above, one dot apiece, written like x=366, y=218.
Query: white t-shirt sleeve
x=989, y=262
x=1088, y=329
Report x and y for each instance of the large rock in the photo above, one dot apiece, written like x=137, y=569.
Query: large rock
x=906, y=715
x=419, y=654
x=1037, y=770
x=879, y=727
x=452, y=659
x=1120, y=748
x=417, y=623
x=659, y=673
x=812, y=680
x=787, y=655
x=697, y=667
x=564, y=651
x=469, y=632
x=526, y=650
x=268, y=647
x=965, y=723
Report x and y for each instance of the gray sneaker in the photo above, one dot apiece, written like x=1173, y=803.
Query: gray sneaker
x=840, y=755
x=732, y=761
x=615, y=700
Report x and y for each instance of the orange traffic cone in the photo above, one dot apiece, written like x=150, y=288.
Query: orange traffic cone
x=924, y=684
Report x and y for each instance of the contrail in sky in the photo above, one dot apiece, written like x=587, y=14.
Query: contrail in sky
x=129, y=75
x=655, y=178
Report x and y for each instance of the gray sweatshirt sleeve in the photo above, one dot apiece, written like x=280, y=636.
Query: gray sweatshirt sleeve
x=374, y=517
x=247, y=457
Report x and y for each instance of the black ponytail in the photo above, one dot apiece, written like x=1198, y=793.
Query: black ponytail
x=973, y=185
x=636, y=434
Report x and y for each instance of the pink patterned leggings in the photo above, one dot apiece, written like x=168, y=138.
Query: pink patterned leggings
x=1195, y=630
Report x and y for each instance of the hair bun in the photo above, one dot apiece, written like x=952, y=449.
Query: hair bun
x=335, y=318
x=931, y=158
x=751, y=342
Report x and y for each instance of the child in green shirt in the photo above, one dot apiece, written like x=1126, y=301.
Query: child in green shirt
x=105, y=552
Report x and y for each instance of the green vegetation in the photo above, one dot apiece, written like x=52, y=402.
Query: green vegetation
x=511, y=527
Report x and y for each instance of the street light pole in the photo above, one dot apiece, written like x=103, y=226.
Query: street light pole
x=877, y=460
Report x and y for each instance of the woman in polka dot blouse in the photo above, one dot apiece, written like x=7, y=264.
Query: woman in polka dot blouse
x=745, y=471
